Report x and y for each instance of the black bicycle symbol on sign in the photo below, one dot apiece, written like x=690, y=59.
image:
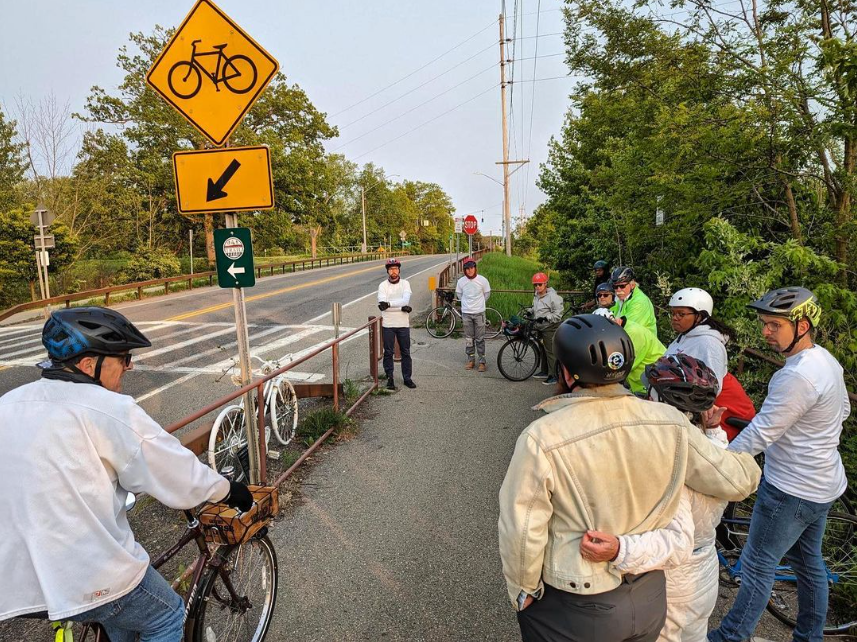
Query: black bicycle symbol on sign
x=237, y=72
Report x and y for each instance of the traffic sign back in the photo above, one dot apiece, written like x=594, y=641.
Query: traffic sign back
x=233, y=251
x=211, y=71
x=223, y=180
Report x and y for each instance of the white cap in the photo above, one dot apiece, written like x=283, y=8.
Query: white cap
x=603, y=312
x=693, y=298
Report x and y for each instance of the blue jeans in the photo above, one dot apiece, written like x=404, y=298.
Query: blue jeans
x=153, y=609
x=781, y=525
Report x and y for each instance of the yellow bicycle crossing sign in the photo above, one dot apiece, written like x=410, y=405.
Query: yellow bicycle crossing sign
x=211, y=71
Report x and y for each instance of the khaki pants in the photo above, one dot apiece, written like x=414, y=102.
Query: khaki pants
x=474, y=335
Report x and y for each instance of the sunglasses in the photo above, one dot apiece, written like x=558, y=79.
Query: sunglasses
x=620, y=286
x=604, y=295
x=126, y=358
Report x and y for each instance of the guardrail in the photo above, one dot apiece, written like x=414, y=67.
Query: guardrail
x=197, y=440
x=139, y=286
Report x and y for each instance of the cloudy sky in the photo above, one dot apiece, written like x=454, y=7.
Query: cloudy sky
x=413, y=86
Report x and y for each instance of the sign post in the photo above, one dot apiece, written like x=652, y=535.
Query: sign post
x=212, y=72
x=42, y=218
x=470, y=227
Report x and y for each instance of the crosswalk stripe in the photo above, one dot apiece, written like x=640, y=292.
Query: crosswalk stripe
x=18, y=329
x=18, y=341
x=181, y=344
x=35, y=348
x=207, y=353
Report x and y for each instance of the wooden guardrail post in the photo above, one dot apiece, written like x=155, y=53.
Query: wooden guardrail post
x=373, y=350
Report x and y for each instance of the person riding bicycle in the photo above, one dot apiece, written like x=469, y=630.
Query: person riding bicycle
x=702, y=336
x=394, y=298
x=547, y=314
x=685, y=548
x=798, y=428
x=601, y=459
x=647, y=350
x=473, y=291
x=632, y=303
x=71, y=449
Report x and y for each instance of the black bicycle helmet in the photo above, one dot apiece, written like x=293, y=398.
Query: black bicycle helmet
x=605, y=287
x=600, y=265
x=623, y=274
x=73, y=332
x=794, y=303
x=593, y=349
x=683, y=382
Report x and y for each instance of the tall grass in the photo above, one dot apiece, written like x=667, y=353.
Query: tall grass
x=509, y=273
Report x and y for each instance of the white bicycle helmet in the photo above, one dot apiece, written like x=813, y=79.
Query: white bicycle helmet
x=603, y=312
x=693, y=298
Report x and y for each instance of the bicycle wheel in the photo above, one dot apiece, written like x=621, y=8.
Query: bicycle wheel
x=518, y=359
x=283, y=407
x=184, y=80
x=237, y=598
x=243, y=76
x=839, y=550
x=227, y=443
x=493, y=323
x=440, y=322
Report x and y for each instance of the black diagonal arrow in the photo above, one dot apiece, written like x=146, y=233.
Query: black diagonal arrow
x=215, y=188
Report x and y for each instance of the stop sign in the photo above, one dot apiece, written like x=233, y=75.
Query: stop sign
x=470, y=224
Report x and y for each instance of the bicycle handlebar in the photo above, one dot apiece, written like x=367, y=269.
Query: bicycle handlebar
x=737, y=422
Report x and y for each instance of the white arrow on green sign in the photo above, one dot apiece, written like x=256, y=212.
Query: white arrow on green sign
x=233, y=249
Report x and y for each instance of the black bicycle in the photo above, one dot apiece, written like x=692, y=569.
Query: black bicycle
x=237, y=73
x=519, y=357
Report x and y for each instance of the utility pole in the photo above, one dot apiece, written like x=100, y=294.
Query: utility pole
x=363, y=208
x=507, y=213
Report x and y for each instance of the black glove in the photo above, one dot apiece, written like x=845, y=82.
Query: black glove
x=407, y=308
x=239, y=497
x=383, y=306
x=541, y=319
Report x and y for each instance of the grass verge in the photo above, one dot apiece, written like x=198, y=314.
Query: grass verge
x=509, y=273
x=318, y=422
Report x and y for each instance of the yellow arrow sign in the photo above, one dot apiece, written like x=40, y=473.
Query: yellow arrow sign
x=211, y=71
x=223, y=180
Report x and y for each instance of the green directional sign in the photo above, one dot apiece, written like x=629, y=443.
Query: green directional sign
x=233, y=250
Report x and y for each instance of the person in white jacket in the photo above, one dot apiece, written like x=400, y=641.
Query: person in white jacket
x=685, y=548
x=71, y=449
x=473, y=291
x=394, y=299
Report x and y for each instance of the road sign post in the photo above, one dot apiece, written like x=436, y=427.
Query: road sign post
x=42, y=218
x=471, y=225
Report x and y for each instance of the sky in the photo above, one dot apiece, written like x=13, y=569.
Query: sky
x=412, y=86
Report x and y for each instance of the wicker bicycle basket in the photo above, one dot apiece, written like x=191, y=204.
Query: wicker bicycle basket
x=224, y=525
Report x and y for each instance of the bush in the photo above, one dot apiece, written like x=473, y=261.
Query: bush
x=509, y=273
x=318, y=422
x=149, y=264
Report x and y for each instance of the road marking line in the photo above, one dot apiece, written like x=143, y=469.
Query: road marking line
x=375, y=292
x=4, y=332
x=156, y=391
x=222, y=348
x=181, y=344
x=223, y=306
x=17, y=340
x=38, y=348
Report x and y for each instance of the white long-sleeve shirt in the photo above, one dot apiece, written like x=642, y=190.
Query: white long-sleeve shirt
x=69, y=454
x=396, y=294
x=707, y=344
x=473, y=293
x=799, y=426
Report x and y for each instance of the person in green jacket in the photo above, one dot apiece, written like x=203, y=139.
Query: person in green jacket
x=631, y=302
x=647, y=350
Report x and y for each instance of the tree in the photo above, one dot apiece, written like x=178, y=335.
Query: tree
x=11, y=162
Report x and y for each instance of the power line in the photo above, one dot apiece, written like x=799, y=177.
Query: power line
x=492, y=45
x=360, y=102
x=410, y=131
x=392, y=120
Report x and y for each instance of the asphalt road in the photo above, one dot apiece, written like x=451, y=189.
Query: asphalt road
x=193, y=333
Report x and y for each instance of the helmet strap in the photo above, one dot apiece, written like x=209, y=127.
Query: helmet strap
x=796, y=338
x=70, y=372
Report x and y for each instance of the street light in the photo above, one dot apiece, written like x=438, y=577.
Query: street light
x=363, y=191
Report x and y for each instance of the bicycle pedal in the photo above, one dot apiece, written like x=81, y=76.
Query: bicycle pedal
x=274, y=454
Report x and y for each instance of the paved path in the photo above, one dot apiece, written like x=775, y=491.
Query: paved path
x=395, y=537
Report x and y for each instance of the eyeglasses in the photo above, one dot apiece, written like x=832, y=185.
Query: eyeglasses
x=771, y=326
x=675, y=314
x=541, y=285
x=126, y=358
x=620, y=286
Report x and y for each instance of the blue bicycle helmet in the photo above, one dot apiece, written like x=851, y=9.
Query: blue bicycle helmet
x=74, y=332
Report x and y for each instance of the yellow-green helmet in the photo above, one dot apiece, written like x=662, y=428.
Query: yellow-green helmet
x=794, y=303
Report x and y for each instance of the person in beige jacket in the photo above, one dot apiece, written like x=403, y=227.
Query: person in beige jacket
x=606, y=461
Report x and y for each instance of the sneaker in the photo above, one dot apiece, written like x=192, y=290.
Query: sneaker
x=410, y=384
x=391, y=385
x=469, y=365
x=550, y=381
x=540, y=375
x=481, y=367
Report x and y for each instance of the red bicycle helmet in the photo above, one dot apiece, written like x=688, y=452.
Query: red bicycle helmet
x=683, y=382
x=540, y=277
x=393, y=263
x=468, y=261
